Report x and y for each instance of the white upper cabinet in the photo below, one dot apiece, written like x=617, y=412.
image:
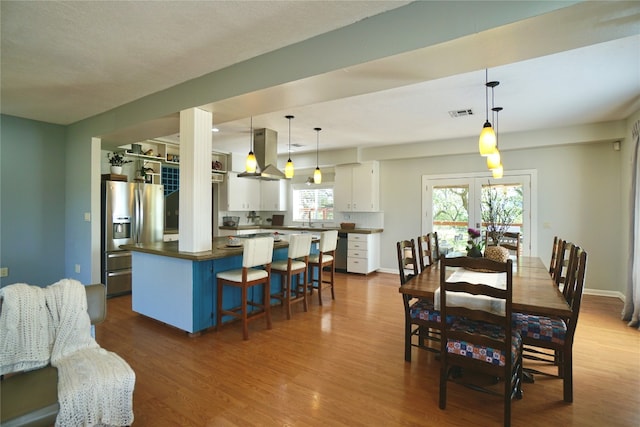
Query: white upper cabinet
x=239, y=194
x=357, y=187
x=273, y=195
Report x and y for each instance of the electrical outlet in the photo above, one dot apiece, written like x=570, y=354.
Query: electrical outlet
x=87, y=216
x=77, y=268
x=4, y=271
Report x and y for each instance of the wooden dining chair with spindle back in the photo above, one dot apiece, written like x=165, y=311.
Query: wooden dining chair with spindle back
x=428, y=251
x=555, y=335
x=480, y=338
x=421, y=319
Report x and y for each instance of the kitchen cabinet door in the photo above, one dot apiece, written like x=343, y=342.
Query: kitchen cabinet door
x=240, y=194
x=357, y=188
x=342, y=188
x=273, y=195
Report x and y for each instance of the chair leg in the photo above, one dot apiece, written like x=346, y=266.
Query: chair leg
x=219, y=305
x=286, y=286
x=320, y=269
x=333, y=277
x=267, y=302
x=444, y=377
x=567, y=380
x=407, y=341
x=303, y=286
x=245, y=323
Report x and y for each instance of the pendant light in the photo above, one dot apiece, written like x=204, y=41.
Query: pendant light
x=288, y=169
x=317, y=175
x=251, y=163
x=487, y=140
x=493, y=159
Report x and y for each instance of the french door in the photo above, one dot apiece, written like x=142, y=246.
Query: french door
x=453, y=204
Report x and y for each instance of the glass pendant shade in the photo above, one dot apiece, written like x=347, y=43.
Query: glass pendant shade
x=251, y=162
x=317, y=175
x=288, y=169
x=487, y=140
x=497, y=172
x=493, y=160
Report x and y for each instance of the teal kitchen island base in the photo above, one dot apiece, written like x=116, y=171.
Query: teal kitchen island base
x=179, y=289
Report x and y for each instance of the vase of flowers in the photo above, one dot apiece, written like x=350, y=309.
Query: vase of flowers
x=498, y=213
x=116, y=160
x=474, y=243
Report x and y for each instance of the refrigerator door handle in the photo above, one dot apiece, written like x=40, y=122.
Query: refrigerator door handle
x=139, y=212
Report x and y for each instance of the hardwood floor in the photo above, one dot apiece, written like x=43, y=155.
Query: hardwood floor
x=342, y=365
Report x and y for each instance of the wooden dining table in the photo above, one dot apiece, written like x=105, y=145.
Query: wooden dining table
x=534, y=292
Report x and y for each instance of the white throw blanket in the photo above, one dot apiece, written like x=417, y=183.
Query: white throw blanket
x=95, y=386
x=25, y=340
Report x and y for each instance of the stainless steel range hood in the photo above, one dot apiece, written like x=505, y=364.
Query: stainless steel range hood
x=265, y=147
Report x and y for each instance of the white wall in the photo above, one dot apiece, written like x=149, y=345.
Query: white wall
x=579, y=197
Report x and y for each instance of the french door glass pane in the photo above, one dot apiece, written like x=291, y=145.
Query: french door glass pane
x=451, y=216
x=510, y=199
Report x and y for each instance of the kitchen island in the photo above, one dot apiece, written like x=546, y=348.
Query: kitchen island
x=179, y=288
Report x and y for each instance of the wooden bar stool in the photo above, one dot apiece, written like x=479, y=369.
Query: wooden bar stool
x=324, y=258
x=257, y=252
x=296, y=263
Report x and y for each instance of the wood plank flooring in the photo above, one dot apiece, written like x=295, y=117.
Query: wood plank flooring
x=341, y=364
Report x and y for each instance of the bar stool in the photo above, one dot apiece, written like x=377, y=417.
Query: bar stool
x=296, y=263
x=256, y=252
x=324, y=258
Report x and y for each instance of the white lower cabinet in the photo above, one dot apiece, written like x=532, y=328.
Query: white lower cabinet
x=363, y=253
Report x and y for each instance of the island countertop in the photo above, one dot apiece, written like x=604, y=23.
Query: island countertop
x=219, y=249
x=302, y=228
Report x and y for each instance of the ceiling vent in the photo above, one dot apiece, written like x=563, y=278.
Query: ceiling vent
x=461, y=113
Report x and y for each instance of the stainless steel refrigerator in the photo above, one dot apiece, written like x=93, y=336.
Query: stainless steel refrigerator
x=131, y=213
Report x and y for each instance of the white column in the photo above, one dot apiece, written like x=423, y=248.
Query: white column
x=195, y=180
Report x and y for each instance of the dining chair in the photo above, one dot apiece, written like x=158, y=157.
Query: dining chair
x=293, y=289
x=565, y=249
x=509, y=240
x=257, y=252
x=324, y=258
x=428, y=250
x=555, y=335
x=554, y=255
x=407, y=260
x=480, y=339
x=421, y=319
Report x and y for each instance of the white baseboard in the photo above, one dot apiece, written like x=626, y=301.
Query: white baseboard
x=601, y=293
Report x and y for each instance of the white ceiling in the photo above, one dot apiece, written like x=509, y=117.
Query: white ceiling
x=63, y=61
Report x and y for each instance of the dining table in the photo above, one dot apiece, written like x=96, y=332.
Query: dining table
x=534, y=292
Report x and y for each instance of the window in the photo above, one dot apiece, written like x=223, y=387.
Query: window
x=313, y=203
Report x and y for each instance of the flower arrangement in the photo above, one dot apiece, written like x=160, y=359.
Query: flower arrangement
x=474, y=247
x=499, y=213
x=117, y=159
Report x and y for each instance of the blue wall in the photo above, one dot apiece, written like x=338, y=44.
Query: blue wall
x=32, y=201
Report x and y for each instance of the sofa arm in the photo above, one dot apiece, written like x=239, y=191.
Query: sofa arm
x=96, y=302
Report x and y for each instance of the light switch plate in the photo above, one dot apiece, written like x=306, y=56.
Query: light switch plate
x=87, y=216
x=4, y=271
